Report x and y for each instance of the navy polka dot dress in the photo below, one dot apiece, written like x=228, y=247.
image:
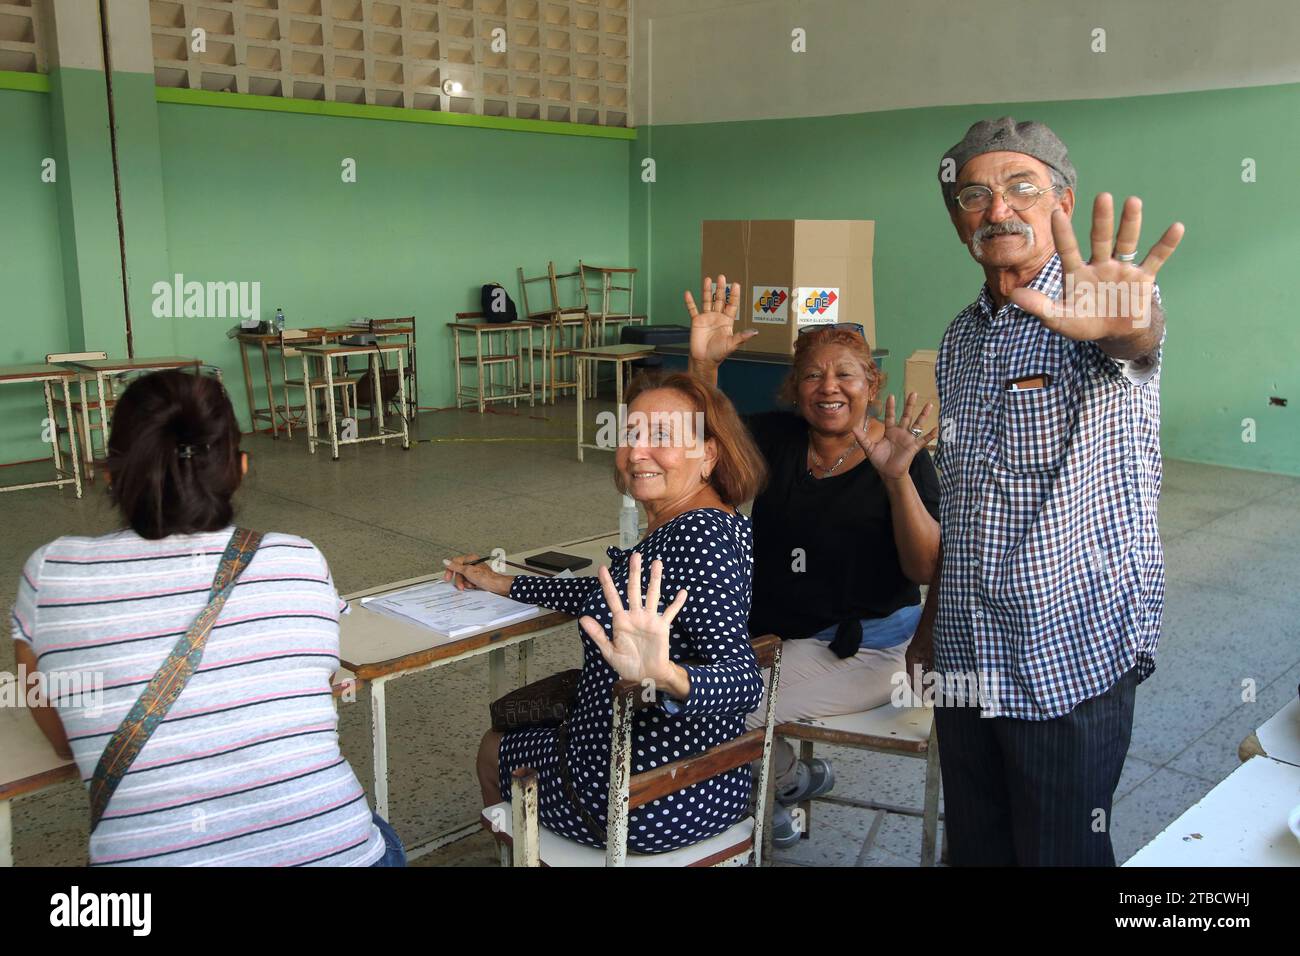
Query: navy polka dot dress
x=709, y=552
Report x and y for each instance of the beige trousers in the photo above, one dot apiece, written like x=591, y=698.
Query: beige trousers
x=816, y=683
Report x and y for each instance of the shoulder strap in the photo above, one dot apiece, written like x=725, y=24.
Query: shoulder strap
x=158, y=697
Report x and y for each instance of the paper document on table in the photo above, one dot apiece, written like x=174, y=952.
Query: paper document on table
x=438, y=606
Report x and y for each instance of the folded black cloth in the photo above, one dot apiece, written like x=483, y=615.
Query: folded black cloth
x=848, y=638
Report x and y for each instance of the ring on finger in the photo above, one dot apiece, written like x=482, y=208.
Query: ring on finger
x=1126, y=256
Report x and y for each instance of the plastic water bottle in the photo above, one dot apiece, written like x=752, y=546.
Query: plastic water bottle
x=279, y=319
x=628, y=531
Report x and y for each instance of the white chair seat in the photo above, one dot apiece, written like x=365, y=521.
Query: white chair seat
x=902, y=724
x=555, y=850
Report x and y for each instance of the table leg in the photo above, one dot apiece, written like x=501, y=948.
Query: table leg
x=618, y=381
x=455, y=343
x=379, y=742
x=479, y=357
x=525, y=655
x=54, y=424
x=248, y=383
x=496, y=673
x=579, y=364
x=309, y=400
x=6, y=835
x=85, y=429
x=72, y=440
x=606, y=301
x=401, y=404
x=270, y=392
x=377, y=393
x=329, y=409
x=530, y=367
x=103, y=410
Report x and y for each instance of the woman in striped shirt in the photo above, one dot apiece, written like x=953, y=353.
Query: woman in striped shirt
x=245, y=768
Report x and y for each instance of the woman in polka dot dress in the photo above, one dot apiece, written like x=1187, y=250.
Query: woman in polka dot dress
x=697, y=554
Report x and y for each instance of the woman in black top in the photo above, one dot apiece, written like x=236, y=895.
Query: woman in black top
x=844, y=532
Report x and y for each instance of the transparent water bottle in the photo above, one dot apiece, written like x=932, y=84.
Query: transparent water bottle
x=629, y=532
x=279, y=319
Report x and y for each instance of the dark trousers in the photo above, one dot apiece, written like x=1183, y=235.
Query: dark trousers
x=1034, y=792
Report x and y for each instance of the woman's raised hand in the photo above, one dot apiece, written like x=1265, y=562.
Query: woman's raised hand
x=713, y=323
x=891, y=452
x=475, y=577
x=639, y=649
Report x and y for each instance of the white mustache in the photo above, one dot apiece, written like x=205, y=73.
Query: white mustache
x=1008, y=228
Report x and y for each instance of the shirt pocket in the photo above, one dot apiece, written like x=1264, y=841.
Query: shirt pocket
x=1035, y=429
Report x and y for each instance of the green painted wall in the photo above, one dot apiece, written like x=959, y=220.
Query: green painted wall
x=33, y=315
x=435, y=212
x=248, y=195
x=1233, y=338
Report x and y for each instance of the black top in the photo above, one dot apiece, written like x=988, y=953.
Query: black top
x=848, y=567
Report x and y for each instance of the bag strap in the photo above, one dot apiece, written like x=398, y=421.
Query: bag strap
x=166, y=686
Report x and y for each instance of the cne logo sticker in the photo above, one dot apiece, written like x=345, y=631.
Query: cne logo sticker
x=815, y=306
x=771, y=304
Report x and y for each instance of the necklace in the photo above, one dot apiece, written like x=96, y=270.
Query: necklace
x=827, y=472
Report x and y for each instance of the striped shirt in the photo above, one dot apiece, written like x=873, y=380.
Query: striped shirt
x=1053, y=574
x=245, y=770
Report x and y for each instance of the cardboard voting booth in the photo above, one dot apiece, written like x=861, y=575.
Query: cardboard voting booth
x=918, y=376
x=794, y=273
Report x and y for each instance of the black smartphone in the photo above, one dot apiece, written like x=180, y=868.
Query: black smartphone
x=556, y=561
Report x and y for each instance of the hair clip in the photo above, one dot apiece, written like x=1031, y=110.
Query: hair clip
x=187, y=451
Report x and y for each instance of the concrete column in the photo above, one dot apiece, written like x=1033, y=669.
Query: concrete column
x=92, y=265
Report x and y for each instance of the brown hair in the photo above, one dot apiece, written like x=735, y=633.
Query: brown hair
x=740, y=471
x=857, y=346
x=173, y=455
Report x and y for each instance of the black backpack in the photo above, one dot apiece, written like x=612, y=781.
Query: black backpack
x=496, y=305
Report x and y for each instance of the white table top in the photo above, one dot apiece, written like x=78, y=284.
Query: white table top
x=1280, y=734
x=367, y=637
x=27, y=761
x=1241, y=822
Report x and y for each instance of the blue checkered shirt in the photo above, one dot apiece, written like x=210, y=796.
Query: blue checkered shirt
x=1053, y=574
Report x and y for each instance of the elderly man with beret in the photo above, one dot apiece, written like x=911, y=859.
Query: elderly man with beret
x=1051, y=584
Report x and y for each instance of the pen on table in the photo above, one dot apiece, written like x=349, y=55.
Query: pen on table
x=470, y=564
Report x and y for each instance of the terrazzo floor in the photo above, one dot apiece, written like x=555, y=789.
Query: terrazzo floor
x=1232, y=541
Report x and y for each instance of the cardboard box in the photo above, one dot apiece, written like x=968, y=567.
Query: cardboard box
x=793, y=273
x=918, y=376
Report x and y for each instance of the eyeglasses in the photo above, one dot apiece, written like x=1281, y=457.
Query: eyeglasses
x=849, y=326
x=1019, y=196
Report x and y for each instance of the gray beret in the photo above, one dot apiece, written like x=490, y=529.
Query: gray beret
x=989, y=136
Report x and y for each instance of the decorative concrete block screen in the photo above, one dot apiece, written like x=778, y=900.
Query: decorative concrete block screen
x=20, y=37
x=564, y=60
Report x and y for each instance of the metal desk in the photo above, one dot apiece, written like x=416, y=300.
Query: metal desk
x=377, y=648
x=328, y=353
x=47, y=375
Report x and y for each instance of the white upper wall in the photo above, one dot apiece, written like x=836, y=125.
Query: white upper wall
x=708, y=60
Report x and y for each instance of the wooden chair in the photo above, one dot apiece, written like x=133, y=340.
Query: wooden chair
x=904, y=731
x=606, y=316
x=83, y=411
x=524, y=843
x=346, y=382
x=388, y=390
x=563, y=328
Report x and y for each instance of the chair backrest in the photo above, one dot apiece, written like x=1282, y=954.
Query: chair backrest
x=293, y=335
x=55, y=357
x=524, y=282
x=627, y=791
x=553, y=279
